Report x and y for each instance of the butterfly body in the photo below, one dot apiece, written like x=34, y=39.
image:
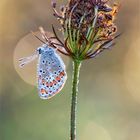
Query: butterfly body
x=51, y=74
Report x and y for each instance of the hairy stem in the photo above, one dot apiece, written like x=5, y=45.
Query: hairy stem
x=75, y=81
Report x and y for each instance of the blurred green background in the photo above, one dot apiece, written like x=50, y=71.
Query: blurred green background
x=109, y=94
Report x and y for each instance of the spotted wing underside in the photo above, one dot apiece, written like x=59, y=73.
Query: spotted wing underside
x=51, y=75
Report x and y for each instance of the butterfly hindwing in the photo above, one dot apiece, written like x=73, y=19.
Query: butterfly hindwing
x=51, y=74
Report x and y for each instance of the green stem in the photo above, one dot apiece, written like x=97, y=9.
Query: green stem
x=75, y=81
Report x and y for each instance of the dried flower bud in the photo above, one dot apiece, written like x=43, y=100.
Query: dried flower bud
x=53, y=3
x=62, y=8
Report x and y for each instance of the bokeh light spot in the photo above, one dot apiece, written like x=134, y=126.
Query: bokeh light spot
x=132, y=70
x=95, y=131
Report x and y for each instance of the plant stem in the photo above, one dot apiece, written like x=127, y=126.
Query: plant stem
x=75, y=81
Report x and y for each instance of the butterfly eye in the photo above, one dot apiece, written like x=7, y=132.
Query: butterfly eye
x=40, y=49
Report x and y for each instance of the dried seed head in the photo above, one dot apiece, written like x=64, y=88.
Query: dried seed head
x=88, y=27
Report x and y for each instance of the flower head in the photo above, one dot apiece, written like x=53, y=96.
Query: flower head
x=88, y=27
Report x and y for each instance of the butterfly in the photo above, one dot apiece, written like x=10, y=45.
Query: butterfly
x=51, y=72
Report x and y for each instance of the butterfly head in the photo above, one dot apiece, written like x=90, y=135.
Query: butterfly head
x=40, y=50
x=45, y=49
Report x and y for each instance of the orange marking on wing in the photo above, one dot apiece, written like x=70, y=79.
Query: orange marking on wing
x=62, y=74
x=51, y=83
x=43, y=91
x=54, y=82
x=58, y=78
x=47, y=84
x=58, y=90
x=43, y=81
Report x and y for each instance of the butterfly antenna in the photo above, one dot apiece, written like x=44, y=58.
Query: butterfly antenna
x=33, y=33
x=46, y=38
x=44, y=34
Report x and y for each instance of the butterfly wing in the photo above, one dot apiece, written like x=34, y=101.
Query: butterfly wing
x=51, y=75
